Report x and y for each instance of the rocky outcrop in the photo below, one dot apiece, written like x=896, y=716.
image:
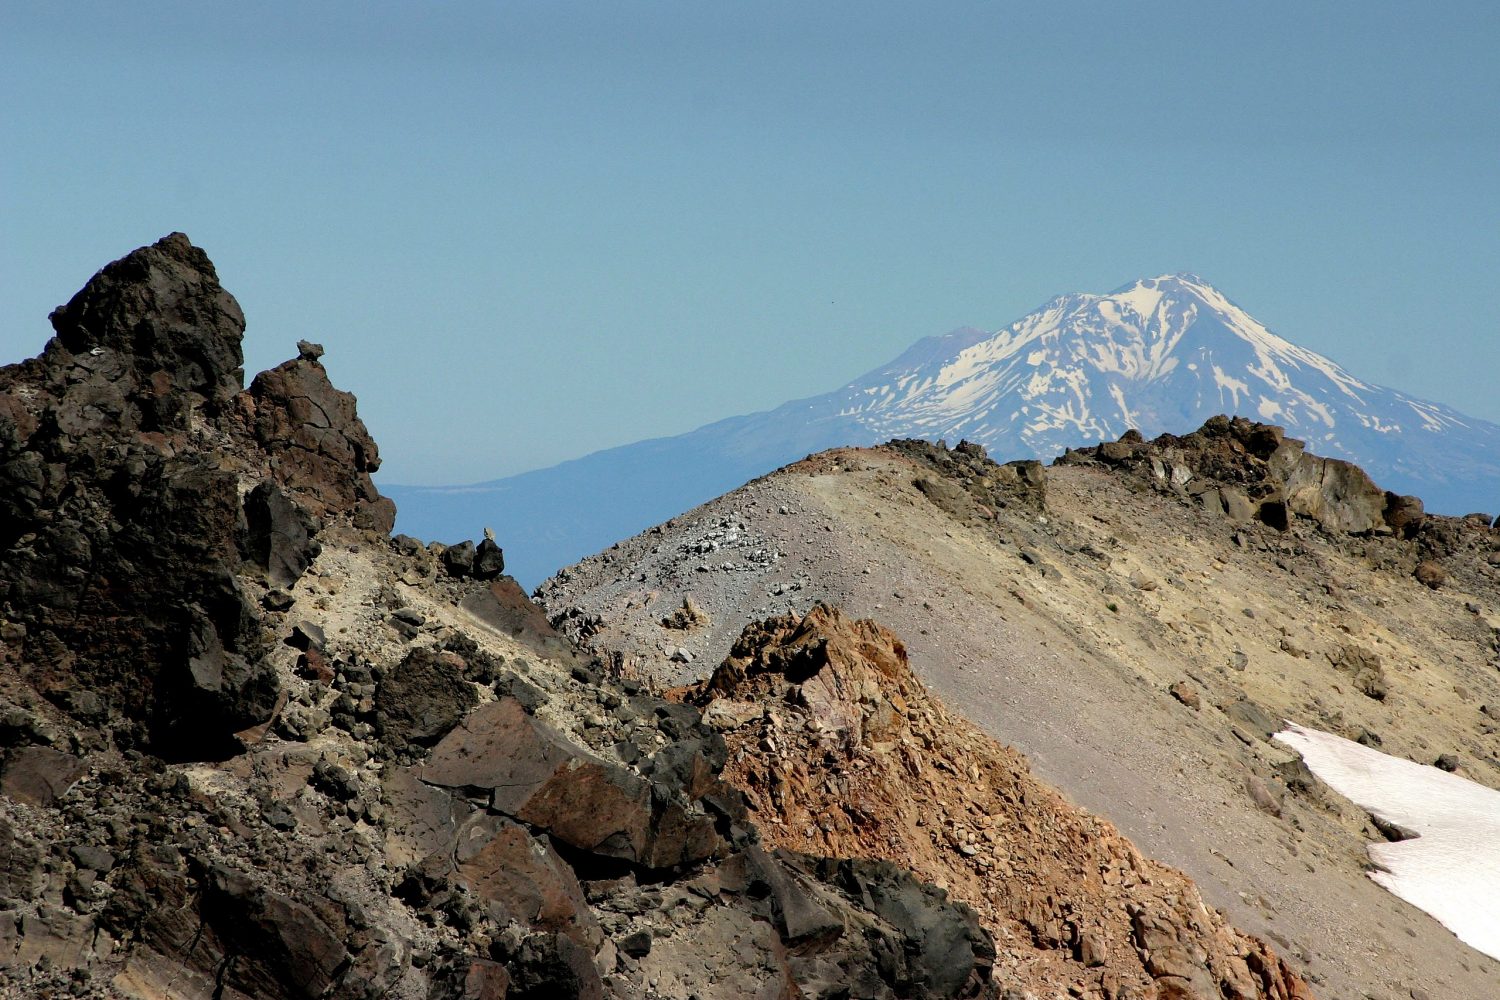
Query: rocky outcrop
x=117, y=531
x=1245, y=471
x=314, y=443
x=848, y=754
x=253, y=748
x=967, y=483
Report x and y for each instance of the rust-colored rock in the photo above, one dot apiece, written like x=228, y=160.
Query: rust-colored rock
x=502, y=864
x=856, y=758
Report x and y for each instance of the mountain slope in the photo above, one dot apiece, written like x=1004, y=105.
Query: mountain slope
x=1133, y=629
x=1157, y=355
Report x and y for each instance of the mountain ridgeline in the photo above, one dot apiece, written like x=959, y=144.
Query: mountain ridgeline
x=1159, y=355
x=253, y=747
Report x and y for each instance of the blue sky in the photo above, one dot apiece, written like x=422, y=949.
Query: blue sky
x=526, y=231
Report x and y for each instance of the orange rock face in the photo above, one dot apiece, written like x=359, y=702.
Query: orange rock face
x=850, y=756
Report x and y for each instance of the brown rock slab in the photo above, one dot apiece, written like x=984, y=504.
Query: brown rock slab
x=504, y=865
x=39, y=776
x=536, y=775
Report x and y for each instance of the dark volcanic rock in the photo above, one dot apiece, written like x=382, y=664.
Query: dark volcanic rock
x=941, y=950
x=126, y=580
x=161, y=314
x=272, y=945
x=458, y=559
x=315, y=444
x=421, y=699
x=489, y=560
x=279, y=535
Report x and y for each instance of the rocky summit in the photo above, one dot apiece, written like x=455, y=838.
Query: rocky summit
x=253, y=747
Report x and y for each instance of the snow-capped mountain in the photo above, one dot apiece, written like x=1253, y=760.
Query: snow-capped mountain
x=1160, y=354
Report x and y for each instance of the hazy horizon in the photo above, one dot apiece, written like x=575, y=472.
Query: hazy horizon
x=527, y=232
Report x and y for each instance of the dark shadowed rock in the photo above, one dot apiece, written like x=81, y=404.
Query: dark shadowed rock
x=489, y=560
x=458, y=559
x=279, y=536
x=161, y=311
x=272, y=946
x=942, y=950
x=554, y=967
x=422, y=698
x=800, y=917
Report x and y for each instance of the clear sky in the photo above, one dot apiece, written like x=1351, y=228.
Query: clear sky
x=526, y=231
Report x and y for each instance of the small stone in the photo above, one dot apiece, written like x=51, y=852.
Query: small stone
x=637, y=945
x=277, y=600
x=1187, y=694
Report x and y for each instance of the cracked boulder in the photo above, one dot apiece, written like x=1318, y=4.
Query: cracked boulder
x=533, y=773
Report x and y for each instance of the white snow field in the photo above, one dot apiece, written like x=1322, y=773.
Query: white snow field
x=1451, y=869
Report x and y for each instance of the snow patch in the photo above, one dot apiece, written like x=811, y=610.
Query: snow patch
x=1236, y=386
x=1142, y=299
x=1451, y=869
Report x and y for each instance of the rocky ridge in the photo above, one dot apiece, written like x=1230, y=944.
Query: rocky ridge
x=254, y=747
x=841, y=750
x=1138, y=622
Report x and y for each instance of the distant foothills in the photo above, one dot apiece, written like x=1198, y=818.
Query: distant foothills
x=1157, y=355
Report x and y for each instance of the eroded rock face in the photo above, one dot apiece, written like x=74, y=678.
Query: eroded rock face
x=852, y=756
x=252, y=748
x=123, y=533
